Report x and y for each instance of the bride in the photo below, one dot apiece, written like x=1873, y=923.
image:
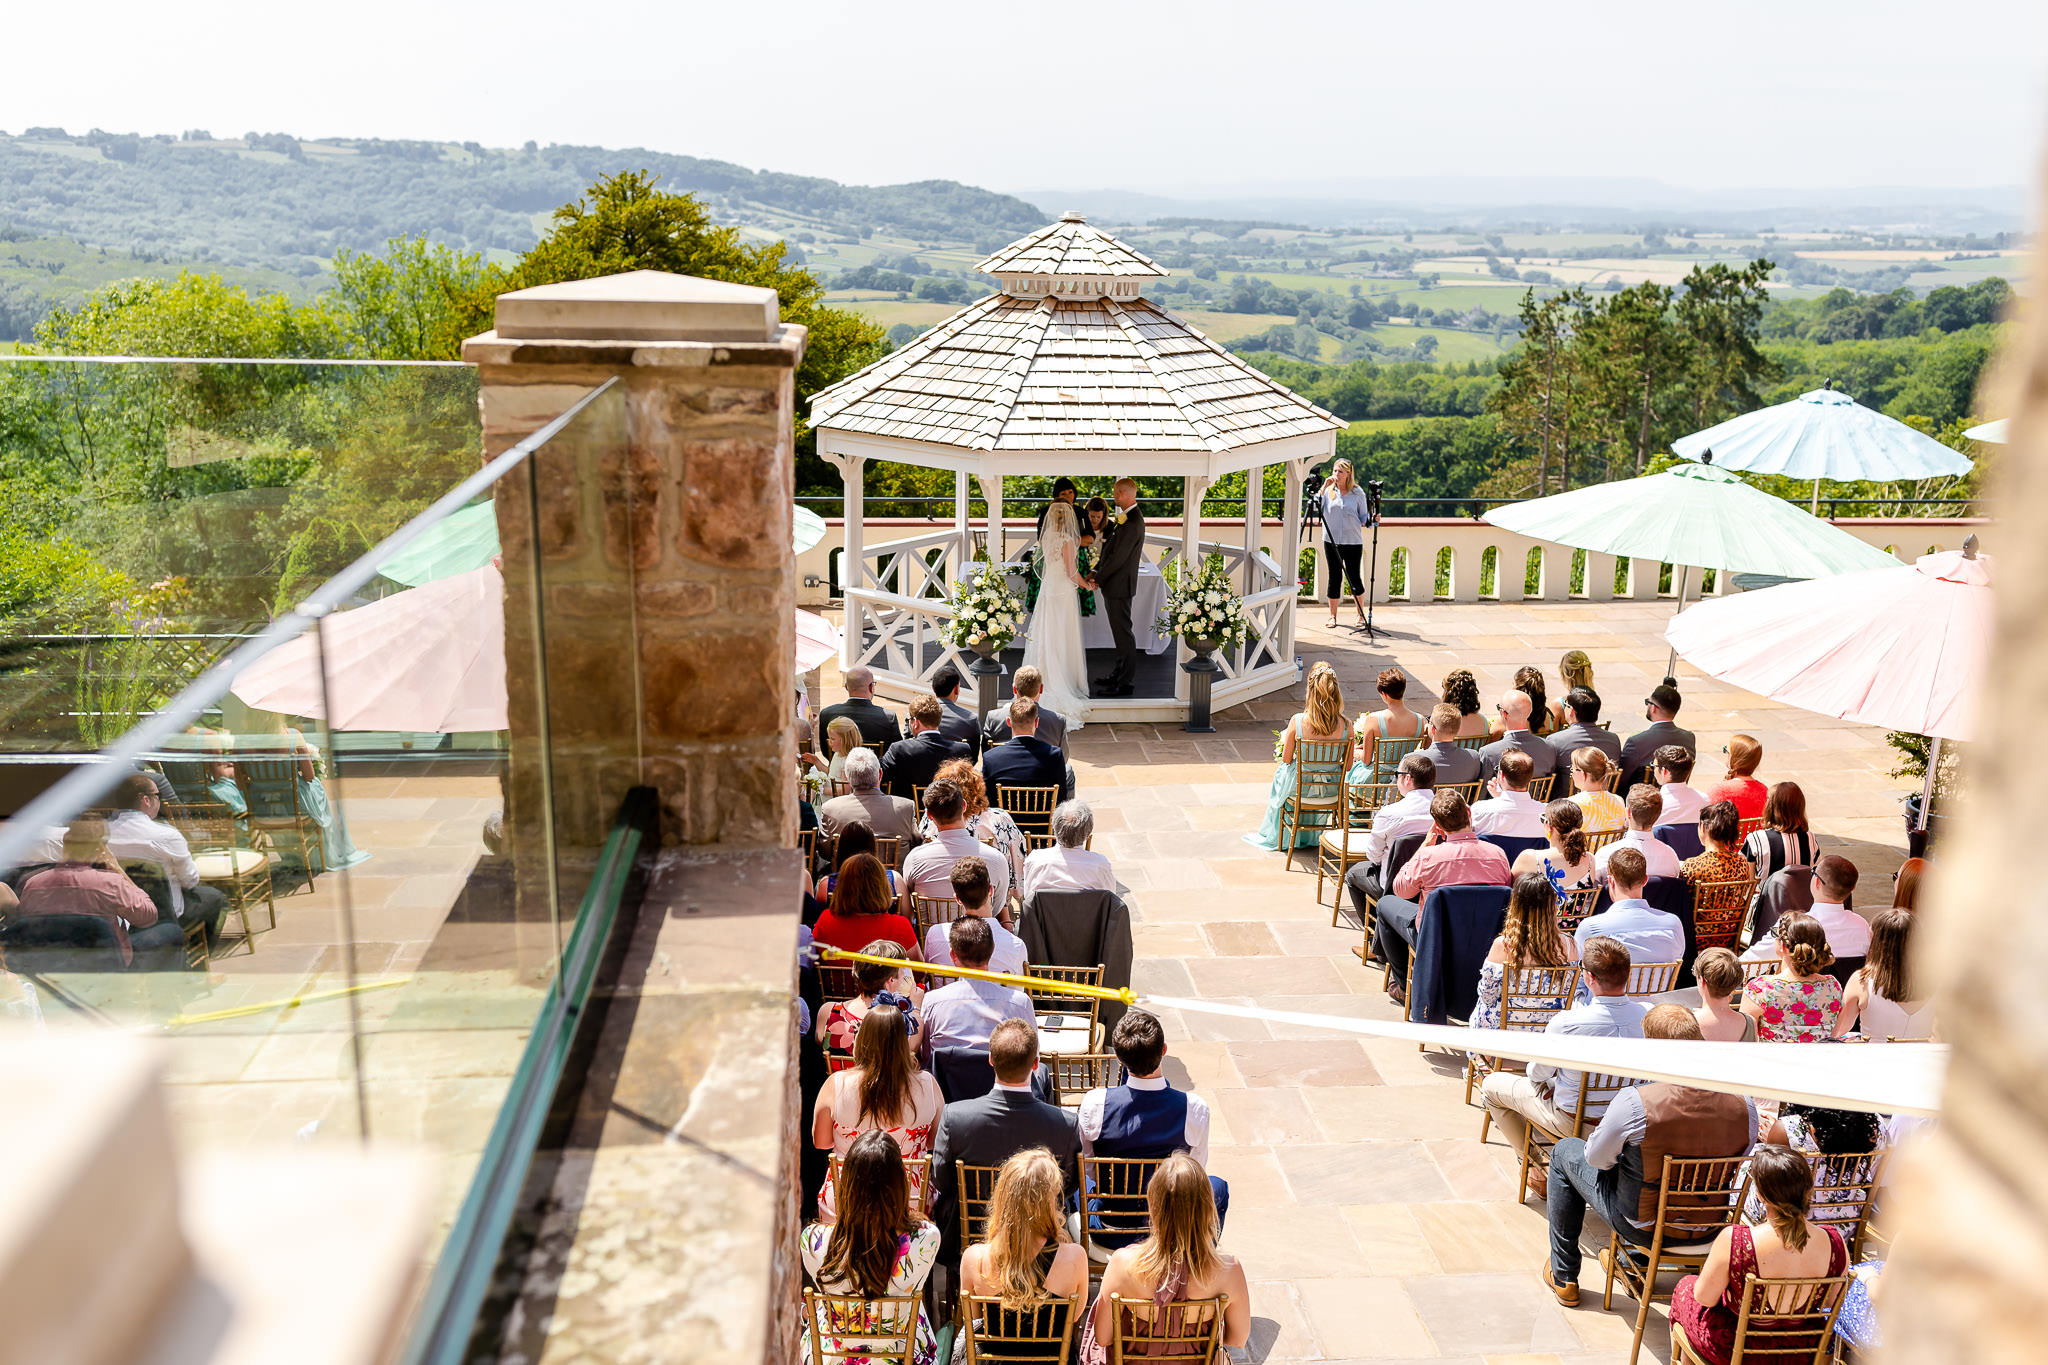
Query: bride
x=1053, y=645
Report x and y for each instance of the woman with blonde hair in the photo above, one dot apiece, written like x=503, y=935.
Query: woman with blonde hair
x=1528, y=938
x=1345, y=515
x=883, y=1090
x=1025, y=1256
x=1321, y=721
x=1740, y=785
x=1395, y=722
x=1604, y=810
x=1575, y=669
x=1799, y=1002
x=1178, y=1260
x=880, y=1249
x=842, y=737
x=990, y=824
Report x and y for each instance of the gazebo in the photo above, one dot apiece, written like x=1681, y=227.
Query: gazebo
x=1068, y=370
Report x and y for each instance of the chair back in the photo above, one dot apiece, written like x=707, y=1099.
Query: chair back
x=1398, y=854
x=1473, y=792
x=1185, y=1332
x=1596, y=1091
x=976, y=1186
x=1513, y=847
x=1598, y=840
x=1652, y=978
x=1388, y=753
x=1681, y=839
x=1845, y=1188
x=1787, y=1321
x=807, y=844
x=1113, y=1195
x=889, y=851
x=1042, y=1334
x=916, y=1169
x=1718, y=909
x=1576, y=906
x=1540, y=788
x=926, y=911
x=205, y=824
x=1074, y=1074
x=1068, y=1021
x=843, y=1327
x=1031, y=808
x=1530, y=997
x=60, y=943
x=1787, y=890
x=1473, y=742
x=1363, y=798
x=1745, y=828
x=837, y=983
x=1319, y=769
x=1698, y=1196
x=271, y=786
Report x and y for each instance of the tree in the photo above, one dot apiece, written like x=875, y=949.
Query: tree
x=1719, y=318
x=1634, y=353
x=410, y=302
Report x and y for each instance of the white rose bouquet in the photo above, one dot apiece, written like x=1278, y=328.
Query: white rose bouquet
x=1204, y=606
x=984, y=606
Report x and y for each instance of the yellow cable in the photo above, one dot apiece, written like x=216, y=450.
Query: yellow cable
x=242, y=1011
x=1023, y=983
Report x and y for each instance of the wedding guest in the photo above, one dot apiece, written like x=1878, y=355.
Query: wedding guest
x=1906, y=887
x=862, y=909
x=1575, y=671
x=1582, y=704
x=1717, y=860
x=879, y=1249
x=992, y=825
x=1461, y=690
x=1515, y=708
x=971, y=889
x=1408, y=813
x=1345, y=514
x=928, y=871
x=1834, y=881
x=1660, y=708
x=1509, y=810
x=964, y=1013
x=1720, y=977
x=1452, y=855
x=1052, y=727
x=1025, y=1256
x=1649, y=934
x=1672, y=767
x=87, y=881
x=877, y=725
x=336, y=849
x=842, y=737
x=1393, y=721
x=1603, y=809
x=884, y=1090
x=1567, y=863
x=1007, y=1125
x=912, y=763
x=1528, y=938
x=1067, y=864
x=1818, y=1134
x=1146, y=1118
x=1025, y=760
x=1799, y=1002
x=1455, y=766
x=888, y=817
x=1177, y=1260
x=957, y=722
x=839, y=1022
x=1882, y=995
x=136, y=834
x=1740, y=785
x=1529, y=682
x=1784, y=841
x=1645, y=805
x=855, y=839
x=1321, y=721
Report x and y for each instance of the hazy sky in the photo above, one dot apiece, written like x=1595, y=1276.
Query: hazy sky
x=1181, y=97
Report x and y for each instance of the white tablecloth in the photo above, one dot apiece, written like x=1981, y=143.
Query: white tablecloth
x=1146, y=604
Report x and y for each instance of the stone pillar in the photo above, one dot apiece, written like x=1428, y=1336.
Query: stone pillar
x=667, y=574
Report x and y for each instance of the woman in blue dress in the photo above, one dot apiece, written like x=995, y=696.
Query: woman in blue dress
x=1395, y=722
x=1321, y=721
x=337, y=850
x=1345, y=514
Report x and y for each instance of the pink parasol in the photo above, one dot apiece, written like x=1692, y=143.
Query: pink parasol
x=816, y=640
x=1901, y=648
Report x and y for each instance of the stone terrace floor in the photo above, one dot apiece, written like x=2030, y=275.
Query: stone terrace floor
x=1371, y=1220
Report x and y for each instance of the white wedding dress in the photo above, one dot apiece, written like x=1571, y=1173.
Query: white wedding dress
x=1053, y=643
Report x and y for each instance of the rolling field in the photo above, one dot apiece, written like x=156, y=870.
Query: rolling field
x=1450, y=345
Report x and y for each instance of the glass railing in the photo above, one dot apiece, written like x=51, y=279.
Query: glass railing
x=262, y=660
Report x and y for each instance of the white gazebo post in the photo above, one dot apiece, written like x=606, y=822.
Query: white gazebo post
x=962, y=528
x=1192, y=489
x=1290, y=538
x=1254, y=508
x=852, y=566
x=992, y=494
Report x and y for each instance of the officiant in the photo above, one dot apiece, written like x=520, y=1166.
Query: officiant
x=1063, y=490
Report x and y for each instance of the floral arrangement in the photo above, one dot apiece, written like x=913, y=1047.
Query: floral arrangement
x=984, y=606
x=1204, y=606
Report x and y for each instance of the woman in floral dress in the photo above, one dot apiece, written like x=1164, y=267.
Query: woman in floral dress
x=878, y=1249
x=1529, y=938
x=1798, y=1002
x=883, y=1090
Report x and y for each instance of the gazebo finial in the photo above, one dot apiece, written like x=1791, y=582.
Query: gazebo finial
x=1071, y=260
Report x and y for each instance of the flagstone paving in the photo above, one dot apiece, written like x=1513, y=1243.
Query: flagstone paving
x=1371, y=1220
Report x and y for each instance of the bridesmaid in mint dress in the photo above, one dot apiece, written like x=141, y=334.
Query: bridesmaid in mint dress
x=1321, y=721
x=1395, y=722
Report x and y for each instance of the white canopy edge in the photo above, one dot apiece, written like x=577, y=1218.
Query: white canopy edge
x=1878, y=1078
x=1309, y=447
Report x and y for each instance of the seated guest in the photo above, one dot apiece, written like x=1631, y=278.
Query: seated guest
x=1583, y=706
x=1461, y=690
x=992, y=1129
x=1575, y=671
x=1393, y=721
x=136, y=834
x=911, y=763
x=883, y=1090
x=1528, y=938
x=888, y=817
x=853, y=840
x=1784, y=841
x=336, y=849
x=1740, y=785
x=862, y=910
x=1720, y=977
x=1530, y=683
x=1452, y=855
x=1834, y=881
x=1660, y=708
x=1567, y=863
x=877, y=725
x=1881, y=995
x=220, y=784
x=964, y=1013
x=1799, y=1002
x=1509, y=810
x=928, y=871
x=971, y=887
x=957, y=722
x=1025, y=1256
x=1649, y=934
x=1619, y=1168
x=880, y=1249
x=1052, y=727
x=1718, y=861
x=1672, y=767
x=839, y=1022
x=88, y=882
x=991, y=824
x=1515, y=707
x=1790, y=1245
x=1177, y=1261
x=842, y=737
x=1545, y=1095
x=1025, y=760
x=1408, y=813
x=1817, y=1133
x=1145, y=1118
x=1455, y=766
x=1604, y=810
x=1645, y=803
x=1068, y=864
x=1906, y=885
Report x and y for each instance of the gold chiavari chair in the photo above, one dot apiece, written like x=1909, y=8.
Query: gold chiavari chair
x=1693, y=1205
x=1596, y=1092
x=1186, y=1332
x=1074, y=1074
x=1031, y=808
x=1530, y=997
x=1319, y=788
x=1652, y=978
x=1718, y=910
x=1068, y=1023
x=846, y=1328
x=1042, y=1334
x=1779, y=1321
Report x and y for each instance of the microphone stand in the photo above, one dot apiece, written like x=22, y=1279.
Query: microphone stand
x=1372, y=509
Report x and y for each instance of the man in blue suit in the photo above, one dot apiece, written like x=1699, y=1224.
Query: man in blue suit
x=1025, y=760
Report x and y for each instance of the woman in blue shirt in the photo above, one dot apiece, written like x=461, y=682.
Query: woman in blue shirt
x=1345, y=517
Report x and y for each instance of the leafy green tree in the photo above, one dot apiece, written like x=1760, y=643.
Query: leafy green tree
x=409, y=302
x=1719, y=317
x=1634, y=355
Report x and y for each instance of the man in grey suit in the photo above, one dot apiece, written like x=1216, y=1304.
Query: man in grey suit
x=1582, y=733
x=1514, y=716
x=1454, y=766
x=1660, y=708
x=956, y=721
x=866, y=804
x=992, y=1128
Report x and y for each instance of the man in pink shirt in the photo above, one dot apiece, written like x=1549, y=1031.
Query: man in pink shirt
x=1452, y=855
x=88, y=882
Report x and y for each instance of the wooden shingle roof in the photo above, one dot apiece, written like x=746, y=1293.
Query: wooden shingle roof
x=1069, y=247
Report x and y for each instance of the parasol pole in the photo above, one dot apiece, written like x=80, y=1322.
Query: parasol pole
x=1927, y=787
x=1814, y=507
x=1671, y=664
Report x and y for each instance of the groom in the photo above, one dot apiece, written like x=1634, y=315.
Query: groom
x=1116, y=578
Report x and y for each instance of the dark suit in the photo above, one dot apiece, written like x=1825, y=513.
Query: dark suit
x=1568, y=741
x=1635, y=755
x=959, y=723
x=987, y=1131
x=1454, y=766
x=1116, y=573
x=878, y=725
x=914, y=761
x=1528, y=742
x=1025, y=761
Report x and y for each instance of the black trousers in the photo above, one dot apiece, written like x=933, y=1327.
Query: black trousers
x=1343, y=562
x=1126, y=667
x=1395, y=935
x=1362, y=884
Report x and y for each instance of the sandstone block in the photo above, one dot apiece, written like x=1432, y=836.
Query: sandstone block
x=735, y=503
x=716, y=686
